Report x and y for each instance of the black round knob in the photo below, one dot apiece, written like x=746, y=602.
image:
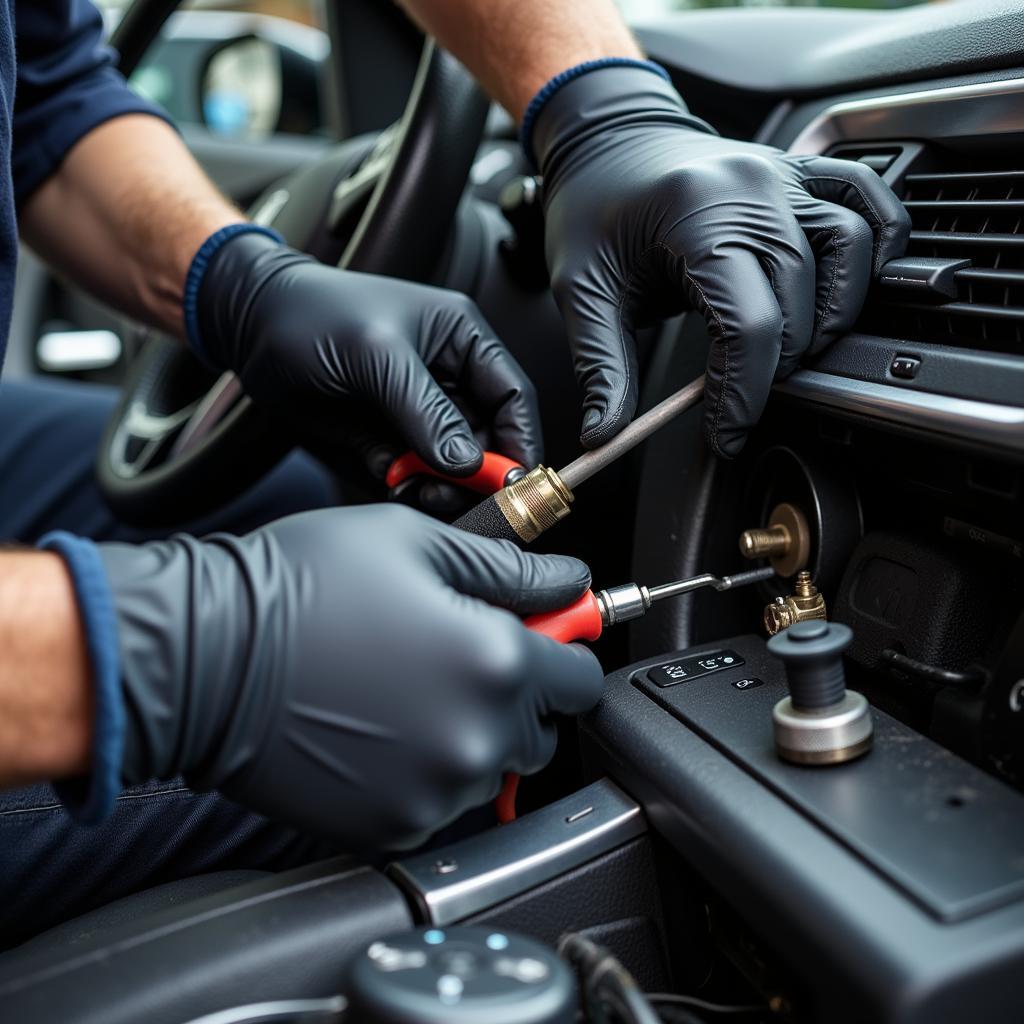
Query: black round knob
x=460, y=975
x=813, y=655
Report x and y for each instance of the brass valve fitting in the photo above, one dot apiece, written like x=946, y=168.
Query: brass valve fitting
x=785, y=541
x=804, y=604
x=535, y=502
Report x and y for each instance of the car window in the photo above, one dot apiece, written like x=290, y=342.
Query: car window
x=243, y=70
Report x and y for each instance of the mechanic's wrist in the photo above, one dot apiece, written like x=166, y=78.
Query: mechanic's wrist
x=603, y=96
x=90, y=798
x=217, y=287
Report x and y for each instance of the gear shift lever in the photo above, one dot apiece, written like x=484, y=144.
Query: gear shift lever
x=820, y=722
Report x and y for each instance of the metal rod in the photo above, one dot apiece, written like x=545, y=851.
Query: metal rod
x=744, y=579
x=740, y=579
x=641, y=428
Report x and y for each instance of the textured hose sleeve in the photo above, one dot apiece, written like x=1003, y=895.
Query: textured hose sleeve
x=487, y=520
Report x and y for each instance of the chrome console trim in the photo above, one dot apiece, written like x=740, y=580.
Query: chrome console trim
x=467, y=877
x=982, y=109
x=998, y=426
x=287, y=1011
x=985, y=108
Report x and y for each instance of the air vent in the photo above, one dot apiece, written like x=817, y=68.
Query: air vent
x=963, y=214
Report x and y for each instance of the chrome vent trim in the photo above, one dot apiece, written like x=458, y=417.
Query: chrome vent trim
x=984, y=109
x=995, y=426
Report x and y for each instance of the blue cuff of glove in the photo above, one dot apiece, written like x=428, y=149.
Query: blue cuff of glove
x=196, y=270
x=536, y=105
x=91, y=798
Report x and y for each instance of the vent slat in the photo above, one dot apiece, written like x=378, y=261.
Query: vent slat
x=966, y=205
x=962, y=214
x=963, y=238
x=978, y=310
x=964, y=177
x=1007, y=277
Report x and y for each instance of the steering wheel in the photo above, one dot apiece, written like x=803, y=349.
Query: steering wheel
x=184, y=440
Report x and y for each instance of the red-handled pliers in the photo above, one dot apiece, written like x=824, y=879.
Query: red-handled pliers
x=496, y=472
x=586, y=618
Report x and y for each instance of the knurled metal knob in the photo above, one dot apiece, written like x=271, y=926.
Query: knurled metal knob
x=820, y=722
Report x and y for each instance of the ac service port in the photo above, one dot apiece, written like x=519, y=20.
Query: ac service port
x=809, y=520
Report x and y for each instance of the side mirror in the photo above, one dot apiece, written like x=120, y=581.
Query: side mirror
x=241, y=89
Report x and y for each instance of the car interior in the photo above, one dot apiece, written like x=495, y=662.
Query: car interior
x=725, y=853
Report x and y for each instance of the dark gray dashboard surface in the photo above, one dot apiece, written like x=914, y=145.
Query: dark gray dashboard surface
x=856, y=946
x=798, y=53
x=949, y=835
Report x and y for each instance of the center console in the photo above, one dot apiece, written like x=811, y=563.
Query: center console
x=889, y=887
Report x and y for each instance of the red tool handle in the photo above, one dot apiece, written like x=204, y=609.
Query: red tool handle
x=579, y=621
x=488, y=479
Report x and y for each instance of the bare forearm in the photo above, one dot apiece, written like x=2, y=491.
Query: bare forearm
x=45, y=688
x=125, y=214
x=514, y=46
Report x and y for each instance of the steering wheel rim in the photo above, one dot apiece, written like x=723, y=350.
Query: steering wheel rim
x=181, y=442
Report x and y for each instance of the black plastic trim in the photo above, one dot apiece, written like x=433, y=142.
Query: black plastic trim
x=960, y=372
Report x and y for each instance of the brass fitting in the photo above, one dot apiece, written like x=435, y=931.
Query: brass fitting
x=766, y=542
x=535, y=502
x=785, y=541
x=805, y=603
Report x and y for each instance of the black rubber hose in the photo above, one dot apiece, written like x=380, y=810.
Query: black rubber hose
x=970, y=677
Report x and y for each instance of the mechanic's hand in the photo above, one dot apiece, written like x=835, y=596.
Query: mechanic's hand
x=351, y=671
x=374, y=358
x=645, y=210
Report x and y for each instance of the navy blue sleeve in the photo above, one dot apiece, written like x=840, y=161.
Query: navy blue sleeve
x=66, y=86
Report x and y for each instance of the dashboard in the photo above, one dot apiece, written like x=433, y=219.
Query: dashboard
x=905, y=439
x=904, y=445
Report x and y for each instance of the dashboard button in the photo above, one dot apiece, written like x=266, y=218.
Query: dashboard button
x=694, y=666
x=905, y=367
x=749, y=683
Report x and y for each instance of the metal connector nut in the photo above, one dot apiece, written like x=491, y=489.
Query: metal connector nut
x=534, y=503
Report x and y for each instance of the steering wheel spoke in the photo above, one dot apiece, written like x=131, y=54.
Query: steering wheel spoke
x=141, y=434
x=351, y=194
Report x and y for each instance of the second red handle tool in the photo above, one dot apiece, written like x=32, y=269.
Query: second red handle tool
x=581, y=620
x=586, y=618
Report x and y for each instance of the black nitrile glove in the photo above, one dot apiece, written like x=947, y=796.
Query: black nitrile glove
x=370, y=360
x=645, y=209
x=351, y=671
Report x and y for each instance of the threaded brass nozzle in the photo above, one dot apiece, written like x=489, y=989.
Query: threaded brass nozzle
x=765, y=542
x=805, y=585
x=534, y=503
